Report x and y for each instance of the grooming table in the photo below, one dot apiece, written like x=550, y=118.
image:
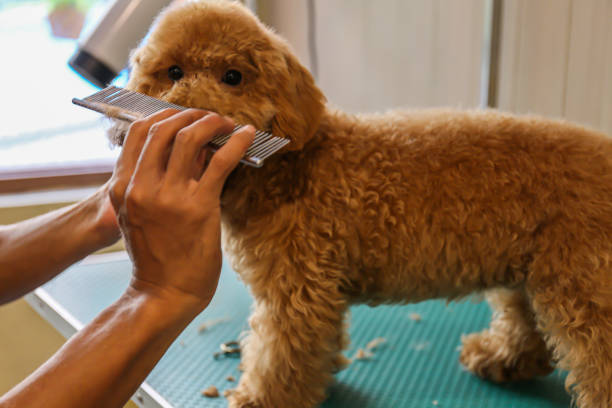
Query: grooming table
x=416, y=367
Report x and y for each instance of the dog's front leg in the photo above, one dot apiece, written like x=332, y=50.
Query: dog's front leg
x=290, y=355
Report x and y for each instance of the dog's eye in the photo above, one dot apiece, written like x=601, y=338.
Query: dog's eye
x=175, y=73
x=232, y=77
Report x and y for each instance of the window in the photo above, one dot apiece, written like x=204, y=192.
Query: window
x=42, y=134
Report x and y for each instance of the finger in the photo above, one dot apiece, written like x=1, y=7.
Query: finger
x=203, y=160
x=137, y=135
x=200, y=163
x=189, y=142
x=225, y=160
x=154, y=152
x=132, y=146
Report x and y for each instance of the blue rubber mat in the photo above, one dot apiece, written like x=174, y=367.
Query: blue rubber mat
x=416, y=367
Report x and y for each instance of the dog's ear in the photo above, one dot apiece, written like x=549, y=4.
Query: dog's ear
x=299, y=105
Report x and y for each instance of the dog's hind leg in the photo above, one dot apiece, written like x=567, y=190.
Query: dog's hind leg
x=511, y=349
x=571, y=292
x=293, y=348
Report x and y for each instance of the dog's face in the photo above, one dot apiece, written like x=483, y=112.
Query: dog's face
x=216, y=55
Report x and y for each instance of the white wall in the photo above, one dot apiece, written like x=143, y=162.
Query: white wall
x=556, y=59
x=555, y=55
x=376, y=55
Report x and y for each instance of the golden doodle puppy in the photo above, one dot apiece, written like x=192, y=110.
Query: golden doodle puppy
x=395, y=207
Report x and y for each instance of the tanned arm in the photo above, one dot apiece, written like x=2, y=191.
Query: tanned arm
x=170, y=220
x=36, y=250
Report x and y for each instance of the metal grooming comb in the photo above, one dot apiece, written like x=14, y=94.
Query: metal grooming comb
x=129, y=106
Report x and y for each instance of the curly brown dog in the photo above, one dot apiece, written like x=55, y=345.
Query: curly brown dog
x=395, y=207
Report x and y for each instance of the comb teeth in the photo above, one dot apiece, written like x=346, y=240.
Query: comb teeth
x=129, y=106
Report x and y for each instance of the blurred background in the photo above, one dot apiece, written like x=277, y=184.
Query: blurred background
x=41, y=133
x=550, y=57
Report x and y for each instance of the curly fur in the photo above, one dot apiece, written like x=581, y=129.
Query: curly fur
x=395, y=207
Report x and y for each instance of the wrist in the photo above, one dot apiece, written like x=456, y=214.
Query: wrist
x=101, y=222
x=172, y=303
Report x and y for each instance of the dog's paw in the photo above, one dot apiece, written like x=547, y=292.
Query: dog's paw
x=488, y=356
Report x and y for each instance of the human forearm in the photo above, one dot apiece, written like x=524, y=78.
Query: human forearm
x=103, y=364
x=171, y=224
x=35, y=250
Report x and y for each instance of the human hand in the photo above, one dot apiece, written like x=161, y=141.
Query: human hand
x=169, y=215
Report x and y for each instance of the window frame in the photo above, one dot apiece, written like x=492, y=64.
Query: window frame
x=44, y=178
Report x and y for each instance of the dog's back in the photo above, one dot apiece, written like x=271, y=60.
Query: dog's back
x=451, y=192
